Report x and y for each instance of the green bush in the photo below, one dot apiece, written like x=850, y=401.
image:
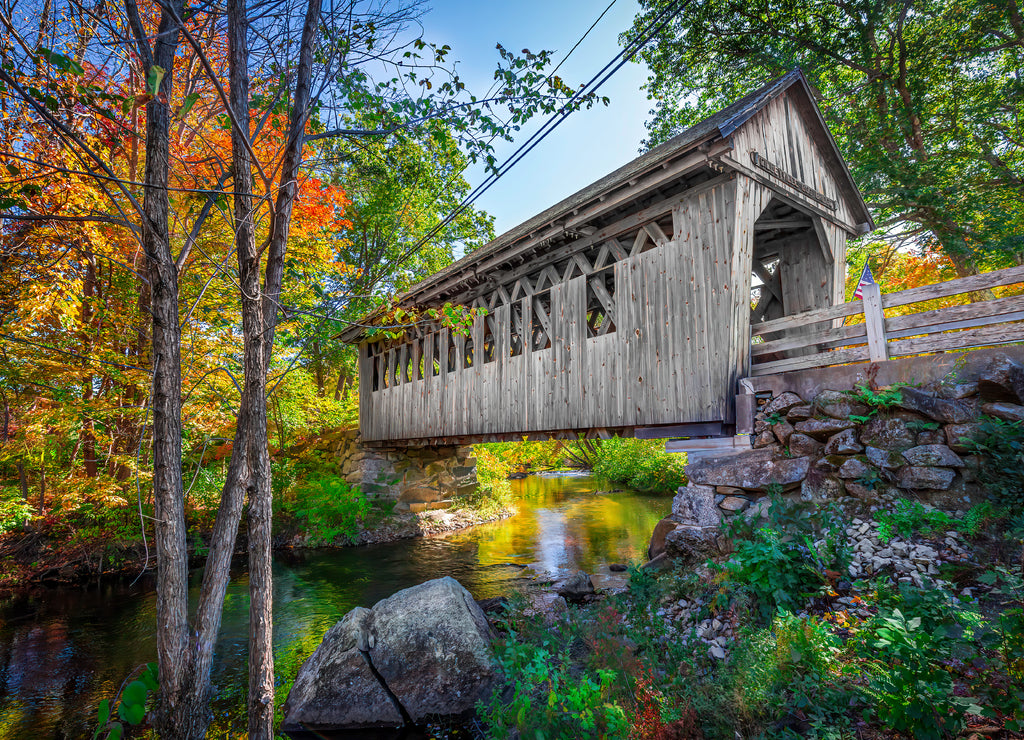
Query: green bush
x=780, y=570
x=548, y=700
x=779, y=564
x=14, y=511
x=493, y=493
x=328, y=509
x=640, y=464
x=1001, y=447
x=910, y=688
x=912, y=517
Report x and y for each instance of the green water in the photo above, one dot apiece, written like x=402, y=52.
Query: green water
x=63, y=650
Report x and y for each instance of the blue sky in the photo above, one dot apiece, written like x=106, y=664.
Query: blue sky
x=586, y=146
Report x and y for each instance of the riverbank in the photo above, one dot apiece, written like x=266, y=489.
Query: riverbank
x=92, y=636
x=55, y=554
x=919, y=634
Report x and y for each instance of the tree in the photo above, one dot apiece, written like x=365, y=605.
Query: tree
x=284, y=89
x=925, y=99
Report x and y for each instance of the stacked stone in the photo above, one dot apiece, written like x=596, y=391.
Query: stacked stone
x=832, y=447
x=416, y=478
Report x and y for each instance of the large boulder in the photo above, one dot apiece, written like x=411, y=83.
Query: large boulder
x=426, y=651
x=802, y=445
x=960, y=436
x=917, y=477
x=938, y=409
x=839, y=405
x=782, y=403
x=575, y=589
x=823, y=429
x=887, y=434
x=695, y=504
x=691, y=544
x=844, y=443
x=753, y=471
x=1002, y=380
x=933, y=456
x=1006, y=411
x=657, y=544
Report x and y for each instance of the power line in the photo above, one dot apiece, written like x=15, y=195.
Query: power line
x=595, y=82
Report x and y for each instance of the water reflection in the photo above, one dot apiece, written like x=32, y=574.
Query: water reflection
x=61, y=651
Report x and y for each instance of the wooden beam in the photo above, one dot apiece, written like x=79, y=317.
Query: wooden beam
x=782, y=223
x=616, y=249
x=627, y=224
x=638, y=243
x=693, y=429
x=597, y=284
x=790, y=196
x=657, y=235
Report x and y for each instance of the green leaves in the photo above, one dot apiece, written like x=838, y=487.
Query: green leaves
x=153, y=79
x=187, y=103
x=59, y=61
x=132, y=707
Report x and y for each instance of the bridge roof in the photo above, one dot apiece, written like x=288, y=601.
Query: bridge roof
x=695, y=138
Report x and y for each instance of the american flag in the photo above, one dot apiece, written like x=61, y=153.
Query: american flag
x=866, y=278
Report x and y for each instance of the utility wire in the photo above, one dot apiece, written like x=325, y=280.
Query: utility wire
x=620, y=59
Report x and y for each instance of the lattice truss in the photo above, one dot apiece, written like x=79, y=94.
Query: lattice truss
x=776, y=227
x=420, y=353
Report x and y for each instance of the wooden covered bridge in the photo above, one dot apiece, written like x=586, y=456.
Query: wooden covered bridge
x=627, y=307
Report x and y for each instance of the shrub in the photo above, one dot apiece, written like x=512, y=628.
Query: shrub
x=780, y=564
x=1001, y=447
x=911, y=690
x=548, y=700
x=14, y=512
x=328, y=508
x=883, y=398
x=494, y=493
x=779, y=570
x=640, y=464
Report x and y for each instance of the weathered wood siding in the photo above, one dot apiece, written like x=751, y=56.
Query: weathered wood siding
x=768, y=198
x=680, y=341
x=780, y=134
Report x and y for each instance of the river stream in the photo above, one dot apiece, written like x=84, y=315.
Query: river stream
x=63, y=650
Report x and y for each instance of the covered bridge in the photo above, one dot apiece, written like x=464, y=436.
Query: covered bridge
x=627, y=307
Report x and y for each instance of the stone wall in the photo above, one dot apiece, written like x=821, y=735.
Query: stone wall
x=417, y=478
x=832, y=447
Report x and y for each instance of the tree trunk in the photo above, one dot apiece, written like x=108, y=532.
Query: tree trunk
x=254, y=410
x=42, y=489
x=23, y=481
x=341, y=387
x=86, y=316
x=168, y=490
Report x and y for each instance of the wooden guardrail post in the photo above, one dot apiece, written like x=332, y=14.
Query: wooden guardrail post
x=874, y=319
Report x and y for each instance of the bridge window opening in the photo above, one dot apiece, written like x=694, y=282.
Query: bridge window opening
x=539, y=338
x=600, y=304
x=467, y=354
x=489, y=353
x=374, y=364
x=450, y=364
x=407, y=363
x=516, y=330
x=435, y=361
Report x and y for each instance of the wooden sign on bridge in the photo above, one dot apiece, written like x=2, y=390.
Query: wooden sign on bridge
x=627, y=307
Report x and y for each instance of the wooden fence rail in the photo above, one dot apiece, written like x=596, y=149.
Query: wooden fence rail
x=813, y=338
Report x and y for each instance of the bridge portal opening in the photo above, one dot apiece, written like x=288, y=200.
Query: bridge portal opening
x=792, y=269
